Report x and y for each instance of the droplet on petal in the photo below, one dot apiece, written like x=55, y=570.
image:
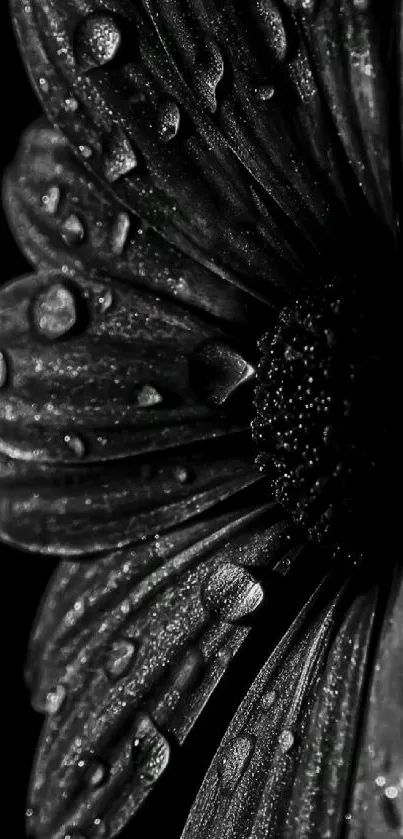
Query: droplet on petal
x=151, y=750
x=120, y=158
x=264, y=92
x=3, y=369
x=97, y=40
x=147, y=396
x=233, y=763
x=96, y=773
x=50, y=200
x=168, y=121
x=208, y=72
x=182, y=473
x=286, y=740
x=73, y=231
x=55, y=699
x=120, y=233
x=268, y=700
x=120, y=658
x=216, y=371
x=232, y=592
x=75, y=444
x=54, y=311
x=105, y=300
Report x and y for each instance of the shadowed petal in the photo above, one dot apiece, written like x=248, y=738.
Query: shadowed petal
x=376, y=808
x=283, y=766
x=98, y=412
x=126, y=653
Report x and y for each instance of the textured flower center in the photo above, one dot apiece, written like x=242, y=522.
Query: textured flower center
x=319, y=415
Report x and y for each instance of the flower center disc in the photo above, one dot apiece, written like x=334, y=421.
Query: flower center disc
x=319, y=415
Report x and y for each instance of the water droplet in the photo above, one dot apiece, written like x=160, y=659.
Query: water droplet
x=3, y=369
x=50, y=200
x=120, y=158
x=55, y=311
x=97, y=40
x=182, y=473
x=85, y=151
x=264, y=92
x=120, y=658
x=75, y=444
x=96, y=773
x=147, y=396
x=286, y=740
x=105, y=300
x=73, y=231
x=268, y=699
x=208, y=72
x=216, y=371
x=232, y=592
x=233, y=762
x=168, y=121
x=54, y=700
x=151, y=750
x=70, y=104
x=44, y=85
x=120, y=233
x=187, y=672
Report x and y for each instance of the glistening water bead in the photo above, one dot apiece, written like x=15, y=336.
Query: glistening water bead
x=319, y=420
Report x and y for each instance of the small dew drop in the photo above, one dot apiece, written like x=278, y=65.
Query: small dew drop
x=151, y=750
x=55, y=311
x=50, y=200
x=286, y=740
x=147, y=396
x=208, y=72
x=75, y=444
x=120, y=158
x=168, y=121
x=96, y=41
x=73, y=231
x=233, y=762
x=3, y=369
x=264, y=93
x=120, y=658
x=182, y=474
x=96, y=774
x=105, y=300
x=44, y=85
x=55, y=699
x=268, y=699
x=70, y=104
x=85, y=151
x=120, y=233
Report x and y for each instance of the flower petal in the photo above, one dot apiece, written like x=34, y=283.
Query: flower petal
x=281, y=768
x=376, y=808
x=350, y=46
x=178, y=121
x=103, y=439
x=127, y=651
x=60, y=216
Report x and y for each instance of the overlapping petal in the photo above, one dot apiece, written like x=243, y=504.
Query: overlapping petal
x=103, y=437
x=127, y=651
x=283, y=768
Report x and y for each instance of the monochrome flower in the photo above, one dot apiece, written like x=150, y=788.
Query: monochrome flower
x=195, y=408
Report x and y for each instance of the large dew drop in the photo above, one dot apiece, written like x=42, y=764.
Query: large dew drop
x=120, y=158
x=232, y=592
x=120, y=658
x=54, y=311
x=151, y=750
x=97, y=40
